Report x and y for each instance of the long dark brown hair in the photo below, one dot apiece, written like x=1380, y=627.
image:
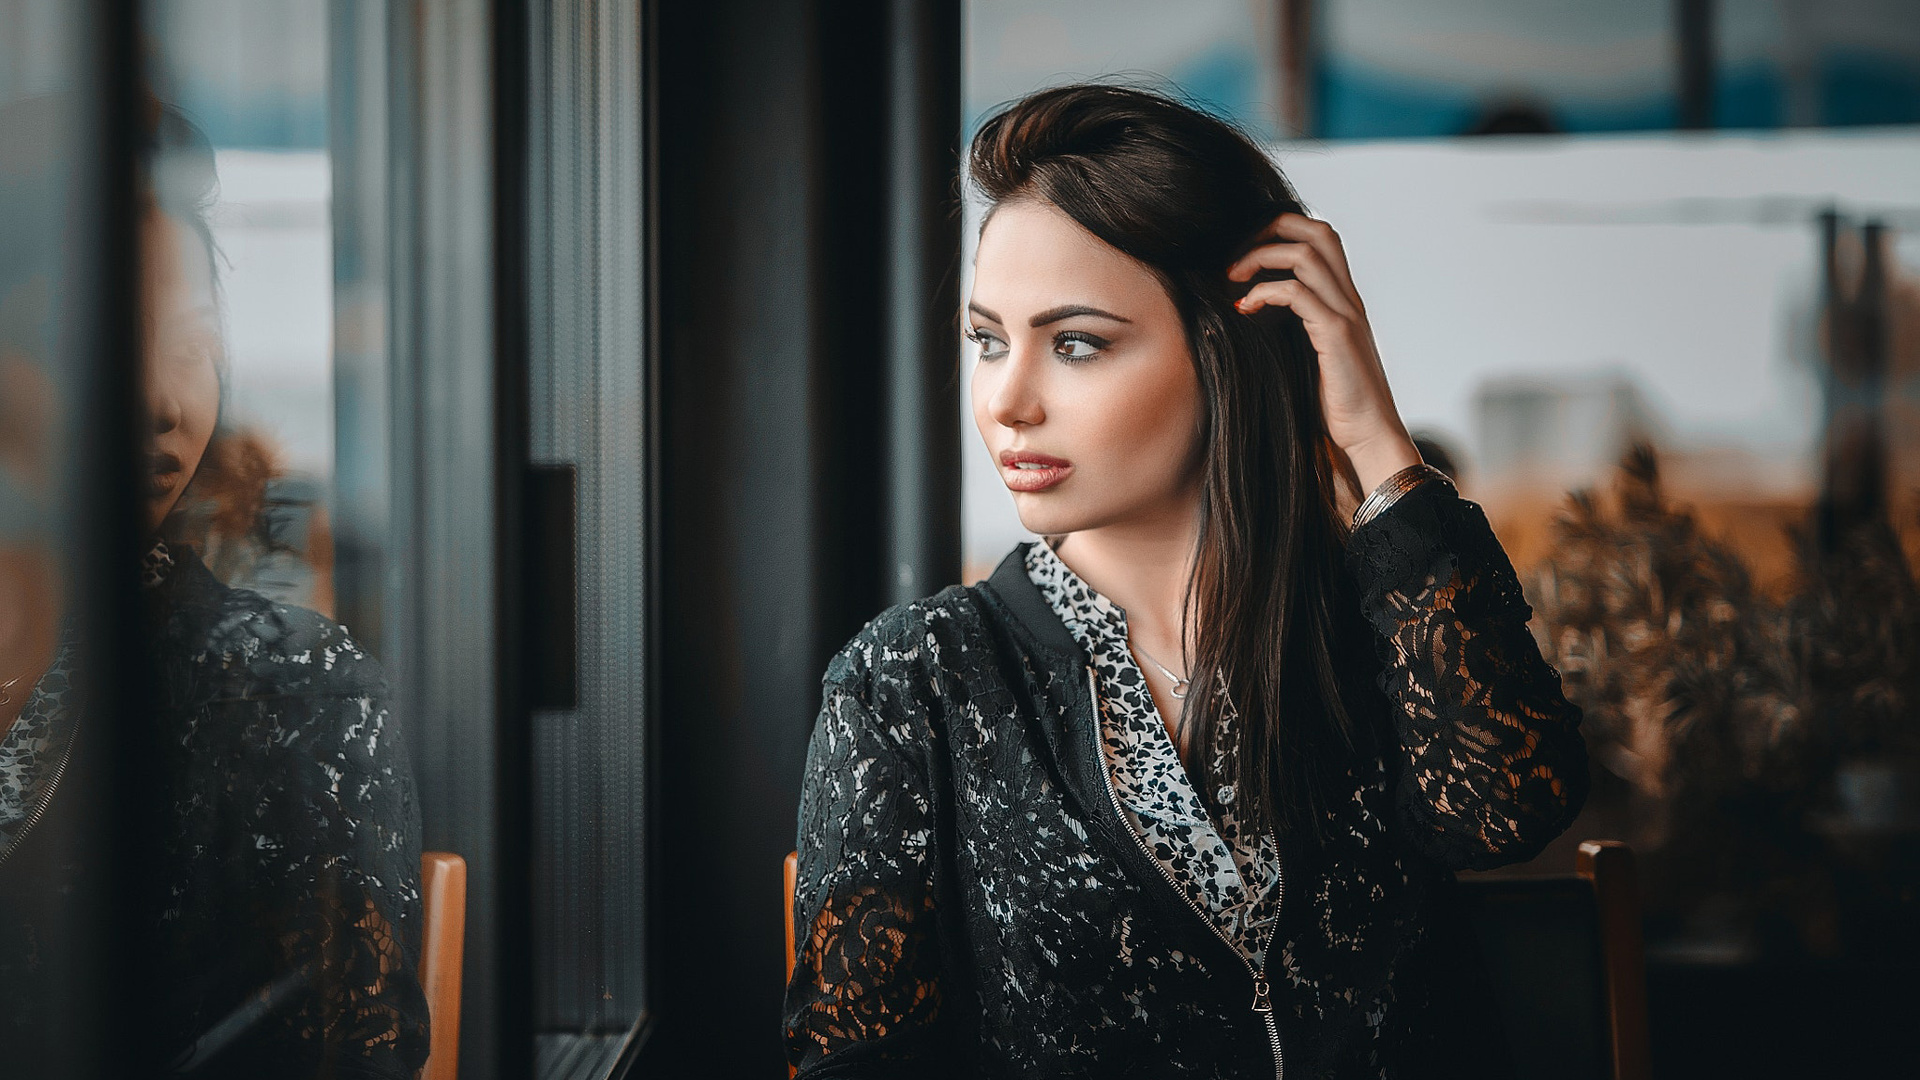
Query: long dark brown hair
x=1186, y=193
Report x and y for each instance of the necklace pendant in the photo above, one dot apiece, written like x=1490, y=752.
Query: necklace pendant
x=1180, y=682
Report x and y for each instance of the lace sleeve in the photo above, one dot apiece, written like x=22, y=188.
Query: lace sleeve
x=865, y=997
x=357, y=925
x=316, y=859
x=1493, y=765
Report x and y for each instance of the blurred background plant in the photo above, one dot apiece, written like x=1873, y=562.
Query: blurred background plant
x=1760, y=751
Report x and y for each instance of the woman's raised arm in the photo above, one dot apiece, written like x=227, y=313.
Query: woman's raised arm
x=1492, y=763
x=1494, y=766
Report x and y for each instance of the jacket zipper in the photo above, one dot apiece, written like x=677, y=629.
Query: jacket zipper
x=46, y=798
x=1262, y=990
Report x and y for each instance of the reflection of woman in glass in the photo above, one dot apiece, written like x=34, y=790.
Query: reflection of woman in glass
x=1180, y=791
x=288, y=906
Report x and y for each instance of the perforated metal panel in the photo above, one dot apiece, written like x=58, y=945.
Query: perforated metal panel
x=589, y=407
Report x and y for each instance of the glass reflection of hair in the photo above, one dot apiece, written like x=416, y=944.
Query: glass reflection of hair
x=291, y=866
x=207, y=479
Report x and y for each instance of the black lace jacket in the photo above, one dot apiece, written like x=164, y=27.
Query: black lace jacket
x=287, y=907
x=969, y=901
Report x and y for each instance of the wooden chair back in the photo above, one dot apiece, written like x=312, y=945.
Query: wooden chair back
x=1568, y=969
x=792, y=864
x=1608, y=866
x=443, y=935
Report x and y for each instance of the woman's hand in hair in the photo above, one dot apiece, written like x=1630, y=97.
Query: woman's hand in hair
x=1370, y=441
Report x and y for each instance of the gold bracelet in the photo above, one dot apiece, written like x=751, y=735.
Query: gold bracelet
x=1393, y=487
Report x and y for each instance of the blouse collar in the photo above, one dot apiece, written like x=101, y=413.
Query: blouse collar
x=1087, y=614
x=1147, y=773
x=156, y=565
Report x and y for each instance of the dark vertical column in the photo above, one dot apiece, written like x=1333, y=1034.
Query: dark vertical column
x=742, y=574
x=805, y=258
x=515, y=530
x=1693, y=39
x=1299, y=70
x=848, y=325
x=923, y=297
x=1854, y=480
x=118, y=969
x=740, y=284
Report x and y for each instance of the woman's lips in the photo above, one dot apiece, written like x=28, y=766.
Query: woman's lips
x=163, y=472
x=1026, y=470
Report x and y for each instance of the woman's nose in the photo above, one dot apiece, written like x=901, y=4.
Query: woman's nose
x=1016, y=400
x=164, y=409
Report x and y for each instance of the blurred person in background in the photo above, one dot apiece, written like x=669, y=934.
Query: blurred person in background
x=287, y=909
x=1180, y=790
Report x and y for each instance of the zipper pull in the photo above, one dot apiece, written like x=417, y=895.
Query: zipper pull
x=1261, y=1003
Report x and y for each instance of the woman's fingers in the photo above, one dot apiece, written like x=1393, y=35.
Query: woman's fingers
x=1355, y=401
x=1305, y=302
x=1307, y=264
x=1320, y=236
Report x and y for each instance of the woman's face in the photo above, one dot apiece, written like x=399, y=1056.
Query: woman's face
x=181, y=355
x=1085, y=390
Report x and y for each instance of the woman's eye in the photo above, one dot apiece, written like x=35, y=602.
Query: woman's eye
x=1077, y=346
x=990, y=346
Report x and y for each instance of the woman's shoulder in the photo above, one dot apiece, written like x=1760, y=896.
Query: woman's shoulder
x=244, y=643
x=938, y=641
x=261, y=692
x=908, y=635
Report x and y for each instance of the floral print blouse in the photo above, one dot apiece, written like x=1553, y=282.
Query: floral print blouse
x=33, y=746
x=1231, y=876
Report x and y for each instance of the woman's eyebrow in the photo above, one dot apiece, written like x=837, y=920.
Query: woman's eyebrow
x=1051, y=315
x=982, y=312
x=1068, y=311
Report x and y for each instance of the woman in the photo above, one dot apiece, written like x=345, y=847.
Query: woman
x=284, y=901
x=1180, y=791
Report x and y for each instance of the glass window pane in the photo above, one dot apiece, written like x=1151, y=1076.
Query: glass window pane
x=49, y=911
x=289, y=825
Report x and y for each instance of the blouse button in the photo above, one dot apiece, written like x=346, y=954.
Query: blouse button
x=1225, y=795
